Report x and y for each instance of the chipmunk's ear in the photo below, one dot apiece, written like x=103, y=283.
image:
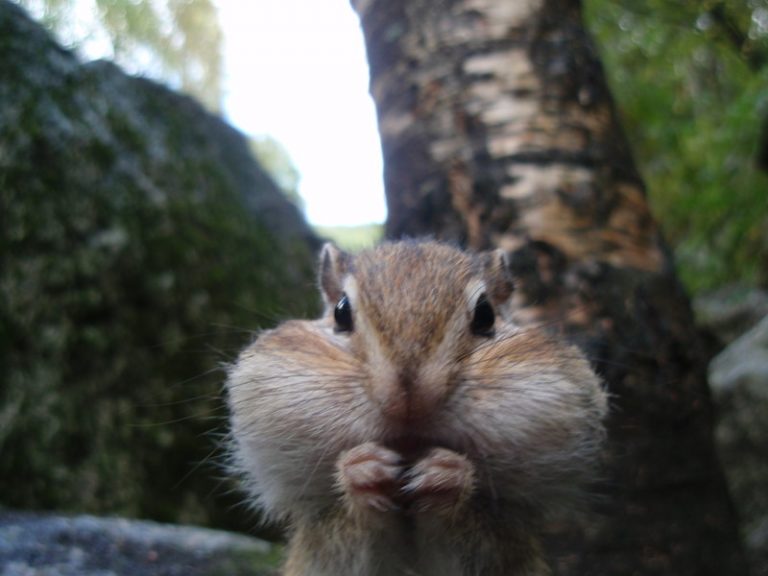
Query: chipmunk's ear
x=334, y=265
x=498, y=275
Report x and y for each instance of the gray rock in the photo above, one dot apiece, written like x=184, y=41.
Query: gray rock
x=743, y=366
x=757, y=543
x=731, y=311
x=739, y=380
x=41, y=545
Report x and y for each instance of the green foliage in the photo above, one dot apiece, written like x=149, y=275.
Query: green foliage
x=175, y=41
x=352, y=238
x=275, y=160
x=691, y=81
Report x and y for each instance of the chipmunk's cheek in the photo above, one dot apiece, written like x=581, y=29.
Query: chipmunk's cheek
x=368, y=477
x=440, y=482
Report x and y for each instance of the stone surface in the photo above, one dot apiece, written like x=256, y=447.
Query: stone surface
x=39, y=545
x=739, y=380
x=729, y=312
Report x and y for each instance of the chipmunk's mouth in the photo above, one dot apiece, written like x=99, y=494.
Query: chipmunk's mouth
x=413, y=448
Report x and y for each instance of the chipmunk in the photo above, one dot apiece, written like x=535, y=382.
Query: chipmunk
x=414, y=428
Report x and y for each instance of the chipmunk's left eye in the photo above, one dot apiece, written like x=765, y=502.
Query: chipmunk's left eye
x=483, y=317
x=343, y=314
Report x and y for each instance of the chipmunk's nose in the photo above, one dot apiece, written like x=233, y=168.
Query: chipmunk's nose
x=407, y=398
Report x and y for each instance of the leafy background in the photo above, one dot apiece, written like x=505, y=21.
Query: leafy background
x=691, y=81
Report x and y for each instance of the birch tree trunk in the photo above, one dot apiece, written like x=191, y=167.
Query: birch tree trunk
x=498, y=130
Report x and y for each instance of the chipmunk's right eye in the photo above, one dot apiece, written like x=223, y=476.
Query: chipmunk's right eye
x=483, y=318
x=343, y=315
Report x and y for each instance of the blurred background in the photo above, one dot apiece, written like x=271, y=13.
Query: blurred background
x=291, y=75
x=689, y=77
x=129, y=283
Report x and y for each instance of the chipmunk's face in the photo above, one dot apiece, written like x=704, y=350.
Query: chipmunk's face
x=410, y=313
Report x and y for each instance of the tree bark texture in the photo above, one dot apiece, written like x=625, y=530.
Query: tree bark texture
x=498, y=129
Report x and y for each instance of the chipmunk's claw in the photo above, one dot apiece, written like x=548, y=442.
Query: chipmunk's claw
x=441, y=481
x=368, y=475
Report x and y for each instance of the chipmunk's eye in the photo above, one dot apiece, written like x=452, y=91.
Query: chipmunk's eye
x=343, y=315
x=483, y=317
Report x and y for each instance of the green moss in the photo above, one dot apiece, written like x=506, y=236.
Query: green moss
x=248, y=563
x=352, y=237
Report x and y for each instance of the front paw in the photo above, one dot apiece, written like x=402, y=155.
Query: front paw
x=440, y=482
x=368, y=476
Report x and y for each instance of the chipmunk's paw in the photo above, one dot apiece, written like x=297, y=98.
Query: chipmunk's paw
x=440, y=482
x=368, y=476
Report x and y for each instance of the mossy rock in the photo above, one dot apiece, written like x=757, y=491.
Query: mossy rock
x=140, y=244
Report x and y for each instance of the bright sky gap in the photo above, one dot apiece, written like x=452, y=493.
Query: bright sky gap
x=296, y=70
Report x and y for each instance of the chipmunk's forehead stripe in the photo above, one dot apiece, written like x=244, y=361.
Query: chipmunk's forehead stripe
x=411, y=291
